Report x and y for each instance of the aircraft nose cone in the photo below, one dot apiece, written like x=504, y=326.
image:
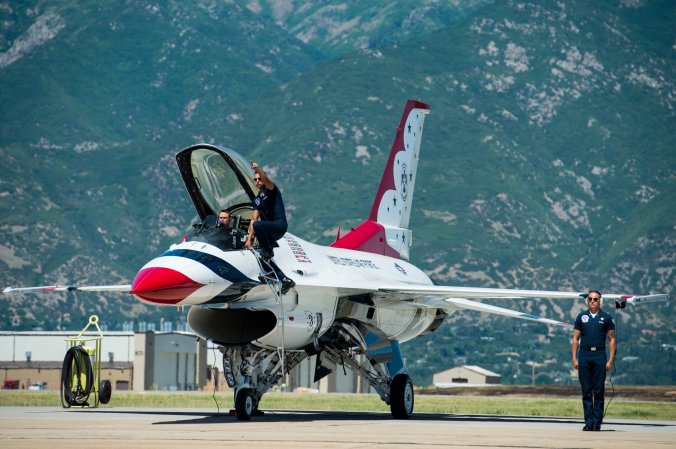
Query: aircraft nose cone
x=159, y=285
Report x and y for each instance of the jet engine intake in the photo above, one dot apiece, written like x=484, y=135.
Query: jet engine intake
x=231, y=327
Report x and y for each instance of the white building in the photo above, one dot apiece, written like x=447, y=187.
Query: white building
x=130, y=361
x=465, y=375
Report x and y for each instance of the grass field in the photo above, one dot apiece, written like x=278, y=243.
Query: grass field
x=362, y=402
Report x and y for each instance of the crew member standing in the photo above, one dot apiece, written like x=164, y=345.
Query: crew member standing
x=268, y=222
x=592, y=328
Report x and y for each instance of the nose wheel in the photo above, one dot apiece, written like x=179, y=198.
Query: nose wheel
x=244, y=404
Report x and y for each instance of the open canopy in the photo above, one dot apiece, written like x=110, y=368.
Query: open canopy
x=216, y=178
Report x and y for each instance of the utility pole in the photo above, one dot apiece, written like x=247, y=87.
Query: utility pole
x=533, y=365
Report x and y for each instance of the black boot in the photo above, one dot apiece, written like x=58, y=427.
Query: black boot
x=287, y=284
x=267, y=255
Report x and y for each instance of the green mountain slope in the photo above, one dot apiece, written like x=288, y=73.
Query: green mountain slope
x=336, y=28
x=93, y=99
x=111, y=71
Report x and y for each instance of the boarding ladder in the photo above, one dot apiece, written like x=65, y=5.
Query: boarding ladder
x=271, y=278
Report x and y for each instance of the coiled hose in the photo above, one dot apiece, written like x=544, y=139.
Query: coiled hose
x=77, y=377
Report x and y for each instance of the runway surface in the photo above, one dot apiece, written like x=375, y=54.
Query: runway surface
x=131, y=428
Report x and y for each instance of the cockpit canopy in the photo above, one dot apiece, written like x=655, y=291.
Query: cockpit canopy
x=217, y=178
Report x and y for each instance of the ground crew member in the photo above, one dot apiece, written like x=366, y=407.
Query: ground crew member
x=268, y=222
x=590, y=331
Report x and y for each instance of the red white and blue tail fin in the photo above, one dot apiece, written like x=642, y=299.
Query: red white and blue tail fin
x=386, y=231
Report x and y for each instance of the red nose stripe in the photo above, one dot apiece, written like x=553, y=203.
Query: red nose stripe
x=163, y=285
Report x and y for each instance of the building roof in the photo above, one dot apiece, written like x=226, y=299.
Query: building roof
x=57, y=365
x=473, y=368
x=480, y=370
x=65, y=334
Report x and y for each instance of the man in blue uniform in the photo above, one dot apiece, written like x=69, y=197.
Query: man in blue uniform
x=592, y=328
x=268, y=222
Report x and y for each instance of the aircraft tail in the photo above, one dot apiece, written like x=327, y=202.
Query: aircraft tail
x=386, y=230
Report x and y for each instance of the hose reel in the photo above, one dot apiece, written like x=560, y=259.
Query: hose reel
x=81, y=371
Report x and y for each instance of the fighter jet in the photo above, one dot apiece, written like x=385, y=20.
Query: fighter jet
x=351, y=303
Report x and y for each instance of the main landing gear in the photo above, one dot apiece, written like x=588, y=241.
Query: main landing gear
x=401, y=396
x=397, y=391
x=252, y=371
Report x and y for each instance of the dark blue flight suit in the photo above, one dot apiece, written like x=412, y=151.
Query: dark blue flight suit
x=592, y=362
x=271, y=227
x=272, y=224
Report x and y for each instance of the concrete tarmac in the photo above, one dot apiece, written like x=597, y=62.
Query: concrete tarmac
x=132, y=428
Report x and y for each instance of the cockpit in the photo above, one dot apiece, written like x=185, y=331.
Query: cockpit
x=225, y=238
x=218, y=179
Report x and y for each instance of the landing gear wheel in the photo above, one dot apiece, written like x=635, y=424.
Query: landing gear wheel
x=244, y=404
x=401, y=397
x=105, y=391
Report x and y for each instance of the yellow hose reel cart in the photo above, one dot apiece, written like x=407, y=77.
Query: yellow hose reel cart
x=81, y=370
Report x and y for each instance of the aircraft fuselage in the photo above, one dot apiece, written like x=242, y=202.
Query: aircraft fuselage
x=226, y=284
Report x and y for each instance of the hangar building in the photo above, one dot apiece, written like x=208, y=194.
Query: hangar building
x=465, y=375
x=130, y=361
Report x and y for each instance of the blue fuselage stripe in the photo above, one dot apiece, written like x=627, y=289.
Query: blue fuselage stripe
x=219, y=266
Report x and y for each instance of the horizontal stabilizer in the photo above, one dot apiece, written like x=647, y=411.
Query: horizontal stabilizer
x=638, y=299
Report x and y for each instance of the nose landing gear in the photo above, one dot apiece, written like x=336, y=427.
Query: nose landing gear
x=244, y=404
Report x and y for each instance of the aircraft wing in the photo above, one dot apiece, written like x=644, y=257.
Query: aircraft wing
x=457, y=298
x=69, y=288
x=452, y=304
x=477, y=292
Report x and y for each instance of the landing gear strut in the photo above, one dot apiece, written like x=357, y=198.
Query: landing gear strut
x=252, y=372
x=397, y=392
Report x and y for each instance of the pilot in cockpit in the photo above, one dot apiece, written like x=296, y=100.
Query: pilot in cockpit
x=223, y=219
x=226, y=227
